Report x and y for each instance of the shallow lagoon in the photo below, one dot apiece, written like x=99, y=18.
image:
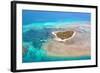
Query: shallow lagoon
x=35, y=40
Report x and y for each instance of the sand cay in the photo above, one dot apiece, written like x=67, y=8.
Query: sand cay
x=79, y=45
x=63, y=35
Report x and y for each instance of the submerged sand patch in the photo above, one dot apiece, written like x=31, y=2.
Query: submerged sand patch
x=79, y=45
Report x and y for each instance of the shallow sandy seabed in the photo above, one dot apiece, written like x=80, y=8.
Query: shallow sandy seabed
x=79, y=45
